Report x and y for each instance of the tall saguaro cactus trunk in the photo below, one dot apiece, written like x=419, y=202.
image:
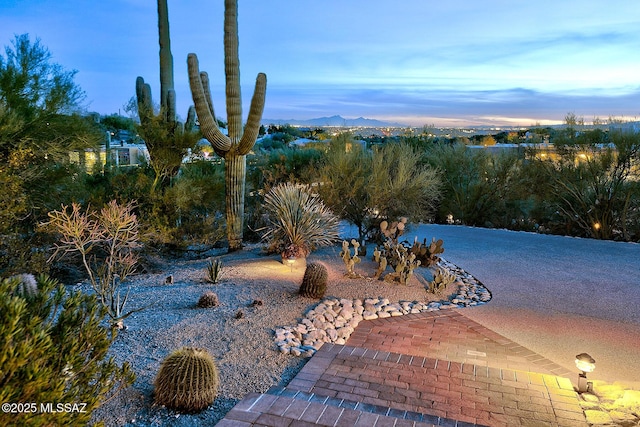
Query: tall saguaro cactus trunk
x=163, y=135
x=234, y=146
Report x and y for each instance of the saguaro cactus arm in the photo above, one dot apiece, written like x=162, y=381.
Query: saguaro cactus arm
x=252, y=127
x=204, y=108
x=143, y=95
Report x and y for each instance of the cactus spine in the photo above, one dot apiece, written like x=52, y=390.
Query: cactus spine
x=234, y=146
x=314, y=281
x=187, y=380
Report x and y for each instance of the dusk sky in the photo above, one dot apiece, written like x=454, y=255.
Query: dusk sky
x=416, y=62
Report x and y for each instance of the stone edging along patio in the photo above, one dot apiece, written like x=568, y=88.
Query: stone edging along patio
x=333, y=320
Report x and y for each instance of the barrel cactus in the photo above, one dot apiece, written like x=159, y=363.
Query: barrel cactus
x=314, y=281
x=207, y=300
x=27, y=287
x=187, y=381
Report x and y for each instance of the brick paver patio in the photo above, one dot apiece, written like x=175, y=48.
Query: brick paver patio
x=428, y=369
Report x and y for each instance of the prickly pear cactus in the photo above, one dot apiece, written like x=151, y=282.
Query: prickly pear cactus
x=207, y=300
x=314, y=281
x=349, y=260
x=441, y=279
x=187, y=381
x=428, y=254
x=394, y=230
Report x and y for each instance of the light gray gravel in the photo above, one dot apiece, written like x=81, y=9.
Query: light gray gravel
x=557, y=296
x=244, y=349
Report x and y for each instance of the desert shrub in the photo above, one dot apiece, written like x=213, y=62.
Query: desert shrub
x=592, y=185
x=187, y=381
x=106, y=242
x=192, y=208
x=21, y=252
x=299, y=222
x=295, y=165
x=479, y=188
x=53, y=348
x=366, y=187
x=208, y=300
x=401, y=186
x=314, y=281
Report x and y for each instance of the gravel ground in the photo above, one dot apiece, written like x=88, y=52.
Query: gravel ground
x=247, y=358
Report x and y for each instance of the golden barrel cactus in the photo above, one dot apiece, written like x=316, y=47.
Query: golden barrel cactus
x=187, y=381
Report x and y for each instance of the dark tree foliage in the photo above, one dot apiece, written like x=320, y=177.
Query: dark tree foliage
x=53, y=348
x=39, y=127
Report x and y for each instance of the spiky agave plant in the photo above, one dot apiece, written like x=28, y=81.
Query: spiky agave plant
x=299, y=221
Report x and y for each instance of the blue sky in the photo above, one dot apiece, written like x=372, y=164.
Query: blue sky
x=417, y=62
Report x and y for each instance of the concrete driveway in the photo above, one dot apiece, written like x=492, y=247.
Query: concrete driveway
x=557, y=296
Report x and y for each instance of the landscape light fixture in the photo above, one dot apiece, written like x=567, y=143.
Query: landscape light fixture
x=291, y=260
x=585, y=363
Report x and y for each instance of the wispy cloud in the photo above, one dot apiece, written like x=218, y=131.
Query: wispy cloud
x=413, y=59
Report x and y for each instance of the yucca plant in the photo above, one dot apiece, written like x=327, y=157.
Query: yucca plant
x=299, y=222
x=214, y=270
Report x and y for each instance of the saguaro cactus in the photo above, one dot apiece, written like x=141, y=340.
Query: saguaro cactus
x=165, y=137
x=234, y=146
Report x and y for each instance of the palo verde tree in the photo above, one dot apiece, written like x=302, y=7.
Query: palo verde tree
x=39, y=113
x=233, y=147
x=40, y=124
x=167, y=139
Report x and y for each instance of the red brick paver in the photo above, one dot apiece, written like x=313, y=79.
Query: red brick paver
x=442, y=388
x=428, y=369
x=449, y=335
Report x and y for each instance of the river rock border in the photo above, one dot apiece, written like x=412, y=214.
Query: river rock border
x=333, y=320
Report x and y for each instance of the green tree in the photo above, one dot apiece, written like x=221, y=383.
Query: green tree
x=40, y=125
x=345, y=177
x=39, y=120
x=595, y=185
x=53, y=348
x=479, y=188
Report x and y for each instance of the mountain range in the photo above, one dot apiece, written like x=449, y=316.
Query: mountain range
x=333, y=121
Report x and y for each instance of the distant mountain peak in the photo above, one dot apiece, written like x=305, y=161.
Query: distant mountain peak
x=333, y=121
